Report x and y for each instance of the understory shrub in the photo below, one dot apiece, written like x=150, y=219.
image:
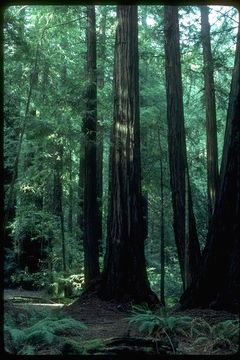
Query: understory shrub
x=66, y=286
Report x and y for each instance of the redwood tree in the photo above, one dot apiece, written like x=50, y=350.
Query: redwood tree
x=183, y=217
x=218, y=283
x=124, y=276
x=90, y=211
x=100, y=128
x=211, y=127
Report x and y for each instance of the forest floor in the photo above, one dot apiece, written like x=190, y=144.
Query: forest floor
x=108, y=330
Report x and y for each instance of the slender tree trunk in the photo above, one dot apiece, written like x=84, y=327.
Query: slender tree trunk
x=162, y=235
x=91, y=262
x=102, y=48
x=212, y=150
x=217, y=285
x=99, y=185
x=81, y=176
x=187, y=255
x=124, y=276
x=177, y=150
x=57, y=199
x=70, y=211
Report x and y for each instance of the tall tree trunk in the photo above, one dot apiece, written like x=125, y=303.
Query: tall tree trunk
x=124, y=276
x=57, y=199
x=102, y=48
x=91, y=262
x=177, y=150
x=99, y=185
x=217, y=285
x=162, y=235
x=101, y=83
x=70, y=210
x=211, y=127
x=81, y=176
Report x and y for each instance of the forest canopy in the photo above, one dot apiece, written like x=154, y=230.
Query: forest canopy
x=114, y=141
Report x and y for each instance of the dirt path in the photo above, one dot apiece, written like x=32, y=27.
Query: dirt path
x=105, y=319
x=36, y=299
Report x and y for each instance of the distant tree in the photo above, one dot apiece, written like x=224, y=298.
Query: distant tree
x=218, y=283
x=211, y=127
x=183, y=217
x=58, y=197
x=12, y=106
x=124, y=276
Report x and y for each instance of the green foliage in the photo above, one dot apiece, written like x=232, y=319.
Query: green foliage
x=157, y=325
x=28, y=280
x=39, y=329
x=173, y=282
x=40, y=336
x=66, y=286
x=14, y=339
x=197, y=332
x=54, y=117
x=92, y=345
x=89, y=347
x=59, y=326
x=223, y=335
x=10, y=266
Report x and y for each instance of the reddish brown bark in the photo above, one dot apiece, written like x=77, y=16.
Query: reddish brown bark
x=218, y=283
x=211, y=127
x=124, y=276
x=177, y=154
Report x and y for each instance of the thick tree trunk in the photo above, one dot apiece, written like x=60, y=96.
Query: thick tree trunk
x=211, y=127
x=124, y=276
x=91, y=263
x=177, y=150
x=218, y=283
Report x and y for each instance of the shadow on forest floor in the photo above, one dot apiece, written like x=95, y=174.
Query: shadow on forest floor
x=108, y=331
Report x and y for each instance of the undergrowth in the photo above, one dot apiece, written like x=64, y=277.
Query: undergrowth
x=211, y=339
x=30, y=331
x=197, y=334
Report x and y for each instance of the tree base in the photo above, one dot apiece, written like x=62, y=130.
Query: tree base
x=96, y=287
x=196, y=297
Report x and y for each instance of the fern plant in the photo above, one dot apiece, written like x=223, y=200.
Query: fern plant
x=42, y=332
x=157, y=325
x=207, y=338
